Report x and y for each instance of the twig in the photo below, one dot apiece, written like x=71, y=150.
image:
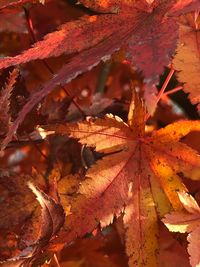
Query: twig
x=56, y=260
x=166, y=82
x=161, y=92
x=172, y=91
x=34, y=39
x=36, y=147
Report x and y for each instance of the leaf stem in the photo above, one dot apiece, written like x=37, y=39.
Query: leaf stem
x=161, y=92
x=56, y=260
x=166, y=82
x=36, y=147
x=172, y=91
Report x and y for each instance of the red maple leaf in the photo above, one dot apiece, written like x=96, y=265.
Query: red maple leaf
x=149, y=35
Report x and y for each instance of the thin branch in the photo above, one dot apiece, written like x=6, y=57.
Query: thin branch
x=166, y=82
x=161, y=92
x=36, y=147
x=34, y=39
x=172, y=91
x=56, y=260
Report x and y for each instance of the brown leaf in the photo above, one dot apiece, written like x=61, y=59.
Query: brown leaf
x=52, y=220
x=53, y=215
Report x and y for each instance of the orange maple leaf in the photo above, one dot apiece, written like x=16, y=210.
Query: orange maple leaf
x=187, y=221
x=131, y=177
x=188, y=55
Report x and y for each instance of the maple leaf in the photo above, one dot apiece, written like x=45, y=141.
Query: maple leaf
x=52, y=220
x=187, y=221
x=140, y=27
x=53, y=215
x=188, y=52
x=5, y=94
x=17, y=203
x=84, y=31
x=134, y=24
x=130, y=176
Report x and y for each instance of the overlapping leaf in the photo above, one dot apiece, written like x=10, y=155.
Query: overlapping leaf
x=89, y=32
x=187, y=222
x=139, y=173
x=17, y=203
x=72, y=37
x=131, y=178
x=150, y=35
x=188, y=54
x=53, y=218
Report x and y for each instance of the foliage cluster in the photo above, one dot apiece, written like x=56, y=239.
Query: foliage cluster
x=100, y=133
